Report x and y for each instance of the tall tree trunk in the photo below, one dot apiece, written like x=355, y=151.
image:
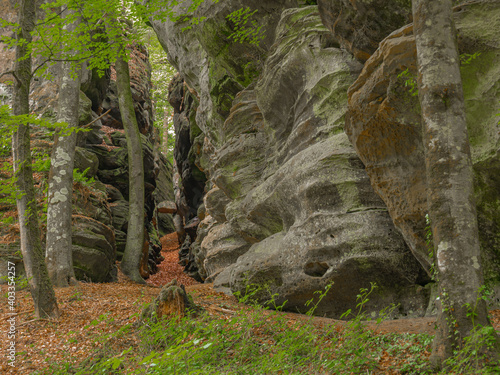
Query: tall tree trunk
x=135, y=233
x=31, y=245
x=59, y=255
x=165, y=131
x=452, y=208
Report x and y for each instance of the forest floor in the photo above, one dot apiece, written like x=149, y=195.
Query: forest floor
x=91, y=311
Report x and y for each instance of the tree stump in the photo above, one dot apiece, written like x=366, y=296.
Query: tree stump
x=172, y=302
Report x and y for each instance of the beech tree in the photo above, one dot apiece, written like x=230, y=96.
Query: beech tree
x=57, y=39
x=451, y=202
x=135, y=233
x=31, y=246
x=58, y=248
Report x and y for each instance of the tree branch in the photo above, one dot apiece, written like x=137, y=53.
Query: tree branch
x=100, y=117
x=12, y=73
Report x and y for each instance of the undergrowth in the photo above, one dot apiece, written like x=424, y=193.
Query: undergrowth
x=254, y=341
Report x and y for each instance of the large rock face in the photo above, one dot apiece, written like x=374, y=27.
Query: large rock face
x=384, y=124
x=100, y=208
x=360, y=25
x=289, y=204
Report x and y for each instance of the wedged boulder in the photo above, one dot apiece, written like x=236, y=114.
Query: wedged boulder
x=384, y=125
x=94, y=251
x=360, y=25
x=167, y=207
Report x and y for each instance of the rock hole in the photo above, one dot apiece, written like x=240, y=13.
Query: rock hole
x=316, y=269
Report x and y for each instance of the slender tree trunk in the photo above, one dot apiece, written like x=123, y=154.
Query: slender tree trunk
x=59, y=255
x=135, y=234
x=31, y=245
x=165, y=131
x=452, y=208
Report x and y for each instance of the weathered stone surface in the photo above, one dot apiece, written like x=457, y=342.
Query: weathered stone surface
x=384, y=125
x=190, y=188
x=91, y=202
x=140, y=85
x=196, y=254
x=360, y=25
x=215, y=202
x=103, y=153
x=86, y=161
x=94, y=251
x=113, y=193
x=120, y=241
x=167, y=207
x=119, y=210
x=289, y=203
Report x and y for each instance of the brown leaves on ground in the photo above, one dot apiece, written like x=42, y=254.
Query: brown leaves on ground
x=169, y=269
x=90, y=311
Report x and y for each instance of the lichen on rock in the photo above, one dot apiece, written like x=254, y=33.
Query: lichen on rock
x=289, y=204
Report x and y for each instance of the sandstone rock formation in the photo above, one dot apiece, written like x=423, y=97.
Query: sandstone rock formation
x=100, y=209
x=360, y=25
x=288, y=203
x=384, y=125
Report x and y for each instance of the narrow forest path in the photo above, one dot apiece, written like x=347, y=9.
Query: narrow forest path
x=92, y=311
x=169, y=269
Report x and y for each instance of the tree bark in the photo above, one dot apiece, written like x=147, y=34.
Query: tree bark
x=135, y=234
x=452, y=208
x=59, y=255
x=31, y=245
x=165, y=131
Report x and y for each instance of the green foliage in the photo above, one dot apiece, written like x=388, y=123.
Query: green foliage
x=473, y=355
x=102, y=28
x=81, y=177
x=466, y=58
x=249, y=296
x=410, y=81
x=255, y=340
x=245, y=31
x=21, y=282
x=321, y=295
x=162, y=74
x=252, y=340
